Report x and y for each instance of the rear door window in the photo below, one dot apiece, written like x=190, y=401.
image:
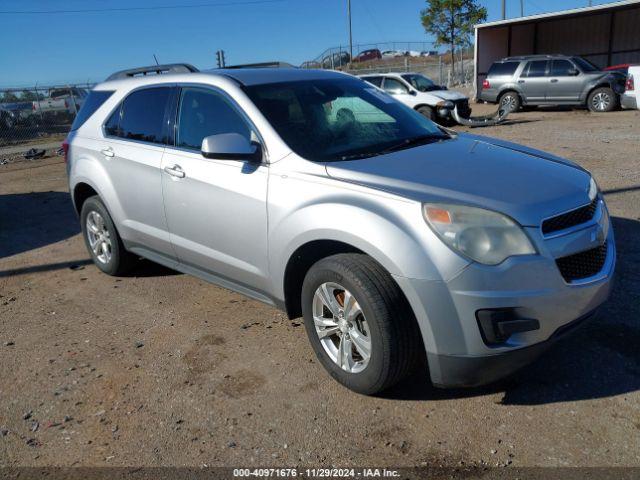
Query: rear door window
x=537, y=68
x=503, y=68
x=94, y=101
x=142, y=116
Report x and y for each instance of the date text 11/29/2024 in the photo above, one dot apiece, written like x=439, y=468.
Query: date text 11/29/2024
x=316, y=473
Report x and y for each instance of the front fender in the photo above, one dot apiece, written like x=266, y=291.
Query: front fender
x=390, y=229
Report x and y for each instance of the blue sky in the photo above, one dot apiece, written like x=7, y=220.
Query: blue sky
x=77, y=47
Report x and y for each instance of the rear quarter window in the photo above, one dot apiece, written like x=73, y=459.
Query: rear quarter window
x=503, y=68
x=93, y=102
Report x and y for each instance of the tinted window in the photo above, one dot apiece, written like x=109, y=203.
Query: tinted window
x=377, y=81
x=561, y=68
x=142, y=116
x=340, y=119
x=421, y=83
x=585, y=65
x=111, y=127
x=204, y=112
x=93, y=102
x=393, y=86
x=535, y=69
x=503, y=68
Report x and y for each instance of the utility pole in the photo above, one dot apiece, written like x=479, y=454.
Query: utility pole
x=522, y=8
x=350, y=36
x=504, y=10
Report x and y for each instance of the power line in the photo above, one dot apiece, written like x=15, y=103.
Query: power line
x=129, y=9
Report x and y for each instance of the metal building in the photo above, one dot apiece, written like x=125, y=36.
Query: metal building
x=606, y=34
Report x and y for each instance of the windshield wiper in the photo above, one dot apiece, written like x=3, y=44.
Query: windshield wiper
x=415, y=141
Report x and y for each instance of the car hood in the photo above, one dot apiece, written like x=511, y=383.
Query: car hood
x=524, y=183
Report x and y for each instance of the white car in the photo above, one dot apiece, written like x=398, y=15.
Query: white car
x=420, y=93
x=392, y=54
x=629, y=99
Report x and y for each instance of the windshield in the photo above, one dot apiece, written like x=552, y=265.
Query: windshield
x=585, y=65
x=340, y=119
x=421, y=83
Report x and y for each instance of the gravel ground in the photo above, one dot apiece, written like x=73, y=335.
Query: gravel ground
x=159, y=368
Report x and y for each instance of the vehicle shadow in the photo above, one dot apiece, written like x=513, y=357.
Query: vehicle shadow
x=601, y=359
x=33, y=220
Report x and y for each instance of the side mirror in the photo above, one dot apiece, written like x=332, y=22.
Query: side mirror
x=573, y=72
x=413, y=92
x=231, y=146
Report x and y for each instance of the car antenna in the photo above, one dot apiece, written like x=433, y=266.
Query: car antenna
x=156, y=59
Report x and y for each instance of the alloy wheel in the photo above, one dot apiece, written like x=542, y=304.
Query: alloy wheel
x=341, y=327
x=601, y=101
x=508, y=102
x=99, y=237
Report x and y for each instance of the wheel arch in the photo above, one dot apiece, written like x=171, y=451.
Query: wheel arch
x=600, y=84
x=81, y=192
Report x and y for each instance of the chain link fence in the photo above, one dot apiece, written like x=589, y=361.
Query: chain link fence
x=38, y=117
x=385, y=57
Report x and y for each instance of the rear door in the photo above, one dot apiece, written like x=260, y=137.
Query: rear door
x=135, y=138
x=564, y=85
x=216, y=209
x=533, y=81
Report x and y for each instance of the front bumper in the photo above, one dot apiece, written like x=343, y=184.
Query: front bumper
x=460, y=371
x=530, y=286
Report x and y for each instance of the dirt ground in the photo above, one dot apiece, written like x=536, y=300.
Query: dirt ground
x=160, y=368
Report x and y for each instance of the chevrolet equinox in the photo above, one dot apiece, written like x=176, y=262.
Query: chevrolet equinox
x=397, y=240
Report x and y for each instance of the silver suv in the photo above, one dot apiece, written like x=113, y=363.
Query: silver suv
x=551, y=80
x=397, y=240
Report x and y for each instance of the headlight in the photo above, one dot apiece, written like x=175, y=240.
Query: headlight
x=593, y=189
x=445, y=104
x=482, y=235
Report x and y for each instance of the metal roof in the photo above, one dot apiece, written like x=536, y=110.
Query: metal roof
x=562, y=13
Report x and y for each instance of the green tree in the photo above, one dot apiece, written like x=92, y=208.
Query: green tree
x=451, y=22
x=28, y=96
x=9, y=97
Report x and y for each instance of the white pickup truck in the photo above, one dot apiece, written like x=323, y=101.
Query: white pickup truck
x=629, y=99
x=61, y=101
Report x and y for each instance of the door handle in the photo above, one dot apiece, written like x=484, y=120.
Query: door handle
x=554, y=80
x=520, y=81
x=175, y=171
x=107, y=152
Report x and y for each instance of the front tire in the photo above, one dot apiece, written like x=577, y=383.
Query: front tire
x=602, y=99
x=510, y=101
x=359, y=324
x=102, y=239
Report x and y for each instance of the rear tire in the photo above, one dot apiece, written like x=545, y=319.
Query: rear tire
x=373, y=312
x=102, y=239
x=427, y=112
x=602, y=99
x=510, y=101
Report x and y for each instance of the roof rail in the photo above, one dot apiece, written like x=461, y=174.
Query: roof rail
x=155, y=69
x=262, y=65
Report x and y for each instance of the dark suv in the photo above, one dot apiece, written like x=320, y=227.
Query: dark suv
x=551, y=80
